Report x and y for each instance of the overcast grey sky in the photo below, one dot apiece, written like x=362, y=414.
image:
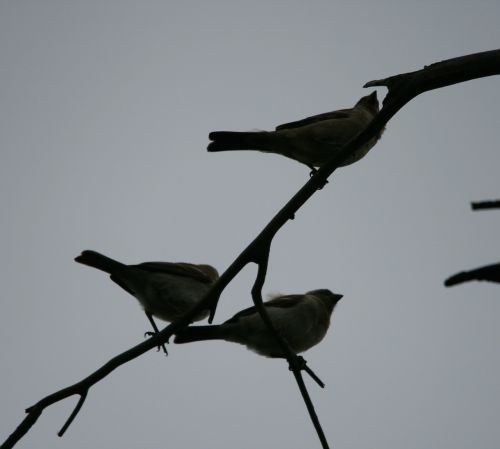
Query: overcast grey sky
x=104, y=115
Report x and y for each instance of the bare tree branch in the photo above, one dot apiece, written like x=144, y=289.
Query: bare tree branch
x=493, y=204
x=402, y=89
x=80, y=388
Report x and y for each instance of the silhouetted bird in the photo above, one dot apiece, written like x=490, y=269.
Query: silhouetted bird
x=166, y=290
x=302, y=320
x=312, y=141
x=489, y=273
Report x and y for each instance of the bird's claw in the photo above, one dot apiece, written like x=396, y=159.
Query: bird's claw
x=313, y=172
x=162, y=346
x=298, y=363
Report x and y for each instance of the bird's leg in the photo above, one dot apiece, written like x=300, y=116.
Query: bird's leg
x=156, y=331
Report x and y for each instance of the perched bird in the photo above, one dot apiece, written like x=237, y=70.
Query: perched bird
x=312, y=141
x=489, y=273
x=165, y=290
x=302, y=320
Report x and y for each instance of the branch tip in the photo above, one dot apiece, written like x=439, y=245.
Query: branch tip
x=77, y=408
x=375, y=83
x=480, y=205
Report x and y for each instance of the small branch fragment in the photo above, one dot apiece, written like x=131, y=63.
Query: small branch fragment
x=479, y=205
x=490, y=273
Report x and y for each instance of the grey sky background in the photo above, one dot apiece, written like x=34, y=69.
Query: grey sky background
x=104, y=115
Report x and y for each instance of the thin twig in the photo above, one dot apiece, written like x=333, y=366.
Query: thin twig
x=295, y=363
x=83, y=396
x=310, y=408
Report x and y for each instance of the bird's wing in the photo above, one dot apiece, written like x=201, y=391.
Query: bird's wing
x=117, y=280
x=282, y=302
x=334, y=115
x=489, y=273
x=178, y=269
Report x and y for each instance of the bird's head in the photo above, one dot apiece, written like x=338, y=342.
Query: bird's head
x=369, y=102
x=327, y=296
x=209, y=271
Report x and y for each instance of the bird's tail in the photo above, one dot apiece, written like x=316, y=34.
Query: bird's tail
x=99, y=261
x=458, y=278
x=233, y=140
x=198, y=333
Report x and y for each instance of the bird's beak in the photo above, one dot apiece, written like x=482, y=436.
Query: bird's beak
x=339, y=297
x=373, y=95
